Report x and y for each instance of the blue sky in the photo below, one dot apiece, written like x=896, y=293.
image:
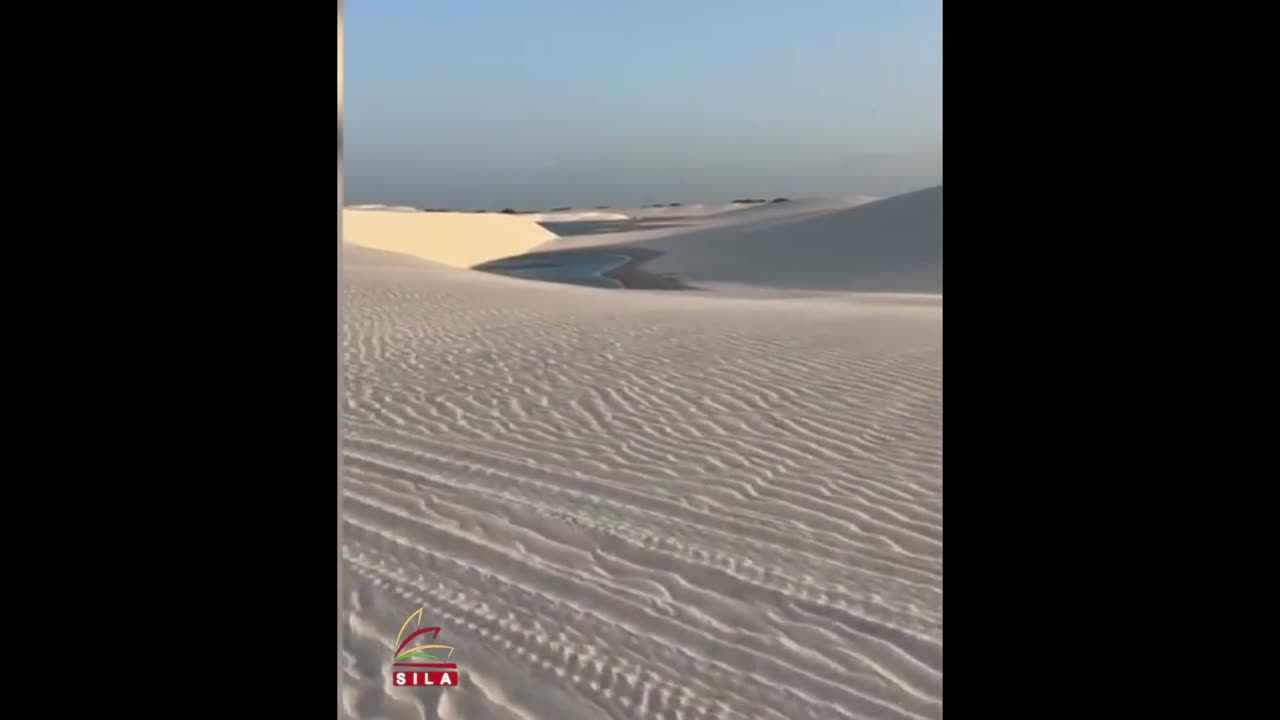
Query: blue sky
x=539, y=103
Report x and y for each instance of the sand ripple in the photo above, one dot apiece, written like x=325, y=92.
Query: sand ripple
x=626, y=506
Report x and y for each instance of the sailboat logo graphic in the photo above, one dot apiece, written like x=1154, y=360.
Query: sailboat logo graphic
x=411, y=651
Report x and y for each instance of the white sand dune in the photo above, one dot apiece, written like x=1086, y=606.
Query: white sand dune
x=701, y=211
x=691, y=210
x=622, y=504
x=841, y=244
x=448, y=238
x=386, y=208
x=566, y=216
x=725, y=217
x=892, y=245
x=696, y=210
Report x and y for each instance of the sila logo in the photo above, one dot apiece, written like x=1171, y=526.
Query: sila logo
x=435, y=671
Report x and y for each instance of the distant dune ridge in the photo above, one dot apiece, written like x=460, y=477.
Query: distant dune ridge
x=627, y=504
x=848, y=244
x=385, y=208
x=843, y=244
x=578, y=216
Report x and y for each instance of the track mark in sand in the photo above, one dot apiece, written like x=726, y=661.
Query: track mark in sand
x=785, y=538
x=638, y=508
x=606, y=671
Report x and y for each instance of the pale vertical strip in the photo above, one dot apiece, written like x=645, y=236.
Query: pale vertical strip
x=338, y=342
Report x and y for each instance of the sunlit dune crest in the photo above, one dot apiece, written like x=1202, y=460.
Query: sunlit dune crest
x=454, y=239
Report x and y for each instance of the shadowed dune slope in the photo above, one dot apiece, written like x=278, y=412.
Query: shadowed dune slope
x=892, y=245
x=820, y=245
